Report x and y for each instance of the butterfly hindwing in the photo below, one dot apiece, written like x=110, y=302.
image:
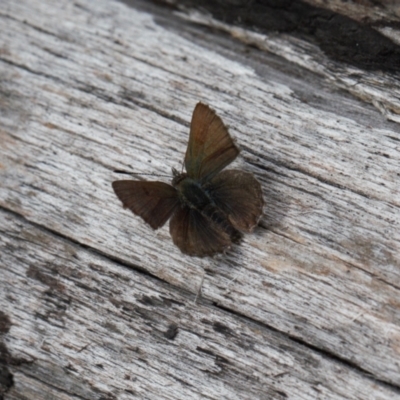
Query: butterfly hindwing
x=155, y=202
x=238, y=194
x=195, y=235
x=210, y=148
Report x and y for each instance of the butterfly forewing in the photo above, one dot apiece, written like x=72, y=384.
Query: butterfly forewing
x=238, y=194
x=153, y=201
x=194, y=235
x=210, y=148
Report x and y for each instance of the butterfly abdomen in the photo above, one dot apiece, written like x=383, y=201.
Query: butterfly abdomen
x=217, y=217
x=193, y=195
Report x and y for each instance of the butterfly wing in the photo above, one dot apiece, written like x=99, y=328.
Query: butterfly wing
x=210, y=148
x=195, y=235
x=153, y=201
x=238, y=194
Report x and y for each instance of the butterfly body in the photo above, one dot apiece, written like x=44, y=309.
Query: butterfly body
x=193, y=194
x=208, y=206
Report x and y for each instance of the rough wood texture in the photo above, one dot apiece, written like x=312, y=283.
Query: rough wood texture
x=95, y=305
x=365, y=45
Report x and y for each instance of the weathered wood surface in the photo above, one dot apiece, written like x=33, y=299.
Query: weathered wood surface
x=96, y=305
x=337, y=35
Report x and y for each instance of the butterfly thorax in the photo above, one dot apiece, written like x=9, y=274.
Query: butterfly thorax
x=191, y=193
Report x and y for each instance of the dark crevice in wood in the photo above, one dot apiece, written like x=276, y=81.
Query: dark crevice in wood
x=315, y=176
x=98, y=253
x=386, y=282
x=170, y=334
x=147, y=106
x=372, y=275
x=75, y=242
x=6, y=377
x=321, y=351
x=5, y=323
x=124, y=100
x=31, y=71
x=281, y=234
x=67, y=391
x=395, y=139
x=340, y=37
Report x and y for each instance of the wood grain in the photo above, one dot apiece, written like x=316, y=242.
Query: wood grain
x=87, y=325
x=329, y=27
x=100, y=305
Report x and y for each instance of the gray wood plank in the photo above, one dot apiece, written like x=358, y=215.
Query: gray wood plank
x=108, y=87
x=348, y=43
x=84, y=327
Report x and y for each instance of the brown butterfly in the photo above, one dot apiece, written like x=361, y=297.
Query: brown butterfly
x=209, y=208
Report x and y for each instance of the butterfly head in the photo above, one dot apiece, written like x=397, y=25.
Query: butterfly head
x=177, y=176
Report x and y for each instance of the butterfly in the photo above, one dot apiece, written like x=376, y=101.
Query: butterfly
x=209, y=208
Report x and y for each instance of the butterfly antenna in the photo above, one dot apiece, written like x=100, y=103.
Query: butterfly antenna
x=120, y=171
